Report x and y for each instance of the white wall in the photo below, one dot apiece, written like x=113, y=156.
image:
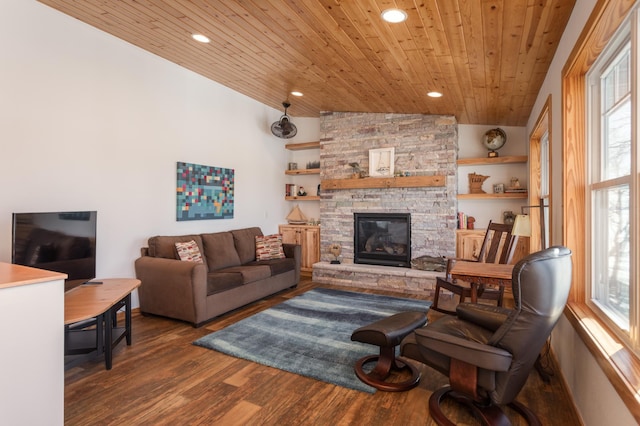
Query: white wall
x=595, y=397
x=90, y=122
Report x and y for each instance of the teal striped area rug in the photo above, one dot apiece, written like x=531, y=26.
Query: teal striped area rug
x=310, y=334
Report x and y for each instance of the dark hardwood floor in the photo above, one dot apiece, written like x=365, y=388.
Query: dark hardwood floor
x=164, y=379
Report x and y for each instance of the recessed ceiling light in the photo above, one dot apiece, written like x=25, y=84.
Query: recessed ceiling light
x=201, y=38
x=296, y=93
x=434, y=94
x=394, y=16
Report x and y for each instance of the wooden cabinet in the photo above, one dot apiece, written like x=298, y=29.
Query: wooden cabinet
x=308, y=236
x=469, y=242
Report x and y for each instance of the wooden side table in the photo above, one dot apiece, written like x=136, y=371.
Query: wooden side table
x=90, y=317
x=481, y=273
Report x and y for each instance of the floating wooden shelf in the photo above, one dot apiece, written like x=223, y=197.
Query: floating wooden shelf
x=493, y=160
x=510, y=195
x=302, y=198
x=302, y=172
x=301, y=146
x=384, y=182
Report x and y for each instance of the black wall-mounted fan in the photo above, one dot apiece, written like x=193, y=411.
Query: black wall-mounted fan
x=284, y=128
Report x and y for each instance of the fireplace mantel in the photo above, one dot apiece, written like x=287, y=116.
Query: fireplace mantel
x=385, y=182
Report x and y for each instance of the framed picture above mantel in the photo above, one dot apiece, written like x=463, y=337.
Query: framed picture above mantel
x=381, y=162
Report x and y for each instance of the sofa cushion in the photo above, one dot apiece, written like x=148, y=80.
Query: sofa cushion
x=219, y=250
x=189, y=252
x=165, y=247
x=221, y=281
x=250, y=273
x=277, y=266
x=269, y=247
x=245, y=242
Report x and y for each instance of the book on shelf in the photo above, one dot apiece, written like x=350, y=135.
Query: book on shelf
x=462, y=220
x=516, y=190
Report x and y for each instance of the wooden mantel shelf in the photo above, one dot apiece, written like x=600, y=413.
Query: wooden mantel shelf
x=384, y=182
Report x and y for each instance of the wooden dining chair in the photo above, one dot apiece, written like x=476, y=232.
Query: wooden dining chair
x=498, y=246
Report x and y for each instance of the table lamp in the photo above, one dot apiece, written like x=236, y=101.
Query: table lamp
x=541, y=207
x=522, y=226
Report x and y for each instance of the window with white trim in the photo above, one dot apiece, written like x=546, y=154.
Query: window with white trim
x=612, y=184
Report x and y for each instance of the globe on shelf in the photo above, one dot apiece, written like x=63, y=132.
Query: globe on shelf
x=493, y=140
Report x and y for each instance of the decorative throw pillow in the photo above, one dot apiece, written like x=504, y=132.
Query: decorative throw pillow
x=189, y=251
x=269, y=247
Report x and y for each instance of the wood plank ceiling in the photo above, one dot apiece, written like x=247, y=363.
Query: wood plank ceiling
x=488, y=57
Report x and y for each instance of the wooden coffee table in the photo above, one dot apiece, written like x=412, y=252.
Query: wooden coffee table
x=90, y=317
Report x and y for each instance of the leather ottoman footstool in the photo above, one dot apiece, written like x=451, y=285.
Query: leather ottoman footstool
x=387, y=333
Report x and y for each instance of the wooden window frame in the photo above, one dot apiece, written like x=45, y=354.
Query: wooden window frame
x=542, y=126
x=618, y=362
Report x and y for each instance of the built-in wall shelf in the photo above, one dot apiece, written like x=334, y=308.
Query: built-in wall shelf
x=384, y=182
x=493, y=160
x=301, y=146
x=510, y=195
x=302, y=198
x=302, y=172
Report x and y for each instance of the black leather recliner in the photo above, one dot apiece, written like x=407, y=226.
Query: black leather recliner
x=487, y=351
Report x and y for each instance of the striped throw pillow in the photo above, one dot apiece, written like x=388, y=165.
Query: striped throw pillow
x=269, y=247
x=189, y=252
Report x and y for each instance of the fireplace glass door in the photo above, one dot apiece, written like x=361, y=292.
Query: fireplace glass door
x=382, y=239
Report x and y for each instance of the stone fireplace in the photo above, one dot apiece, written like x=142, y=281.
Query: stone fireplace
x=424, y=145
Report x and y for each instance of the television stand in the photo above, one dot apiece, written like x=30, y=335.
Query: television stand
x=90, y=319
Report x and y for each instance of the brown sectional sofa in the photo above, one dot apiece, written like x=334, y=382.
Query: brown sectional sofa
x=229, y=278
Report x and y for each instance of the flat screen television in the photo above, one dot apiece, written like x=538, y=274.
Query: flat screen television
x=57, y=241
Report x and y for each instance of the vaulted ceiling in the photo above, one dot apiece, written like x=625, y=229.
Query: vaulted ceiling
x=488, y=57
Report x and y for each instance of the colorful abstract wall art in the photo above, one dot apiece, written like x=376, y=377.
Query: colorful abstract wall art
x=204, y=192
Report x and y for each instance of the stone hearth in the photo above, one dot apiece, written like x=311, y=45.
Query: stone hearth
x=403, y=280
